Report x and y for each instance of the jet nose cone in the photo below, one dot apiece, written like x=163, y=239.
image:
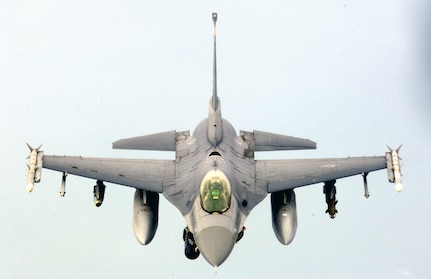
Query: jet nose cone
x=215, y=243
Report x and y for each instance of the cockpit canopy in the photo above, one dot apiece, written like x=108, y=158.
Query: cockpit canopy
x=215, y=192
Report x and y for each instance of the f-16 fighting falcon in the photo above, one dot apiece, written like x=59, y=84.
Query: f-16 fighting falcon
x=214, y=180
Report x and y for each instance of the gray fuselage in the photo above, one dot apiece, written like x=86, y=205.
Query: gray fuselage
x=215, y=233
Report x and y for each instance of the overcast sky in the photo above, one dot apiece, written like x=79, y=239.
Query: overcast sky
x=350, y=75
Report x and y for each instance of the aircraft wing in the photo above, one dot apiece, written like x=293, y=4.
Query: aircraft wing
x=280, y=175
x=151, y=175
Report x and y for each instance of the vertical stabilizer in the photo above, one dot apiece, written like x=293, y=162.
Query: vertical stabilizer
x=214, y=100
x=215, y=131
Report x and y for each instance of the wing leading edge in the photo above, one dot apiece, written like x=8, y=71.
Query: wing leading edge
x=279, y=175
x=151, y=175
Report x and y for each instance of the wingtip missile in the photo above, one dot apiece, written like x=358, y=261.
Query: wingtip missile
x=34, y=167
x=394, y=167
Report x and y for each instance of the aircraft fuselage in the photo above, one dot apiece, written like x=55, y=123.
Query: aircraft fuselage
x=215, y=232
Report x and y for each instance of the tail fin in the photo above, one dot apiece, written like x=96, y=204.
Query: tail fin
x=215, y=101
x=215, y=130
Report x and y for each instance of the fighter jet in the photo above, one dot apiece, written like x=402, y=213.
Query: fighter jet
x=214, y=180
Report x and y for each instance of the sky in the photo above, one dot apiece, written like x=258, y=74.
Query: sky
x=351, y=75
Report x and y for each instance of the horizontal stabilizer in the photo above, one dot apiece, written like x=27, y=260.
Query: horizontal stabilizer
x=164, y=141
x=265, y=141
